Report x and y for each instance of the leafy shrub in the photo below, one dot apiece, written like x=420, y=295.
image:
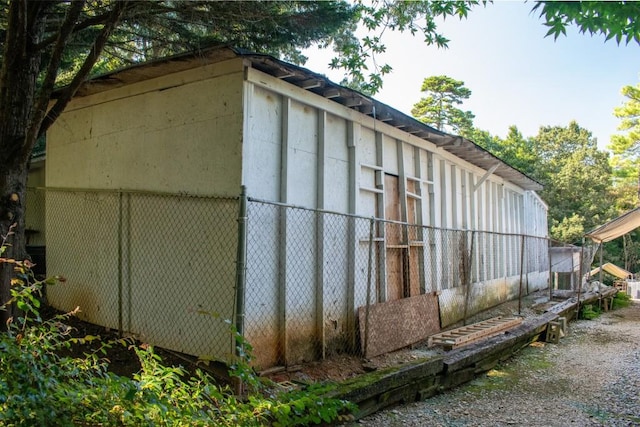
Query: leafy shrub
x=39, y=386
x=589, y=312
x=621, y=300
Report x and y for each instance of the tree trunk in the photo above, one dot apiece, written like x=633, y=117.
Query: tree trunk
x=12, y=203
x=20, y=70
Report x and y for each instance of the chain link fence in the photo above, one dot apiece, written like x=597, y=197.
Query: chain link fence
x=299, y=284
x=157, y=267
x=570, y=265
x=320, y=283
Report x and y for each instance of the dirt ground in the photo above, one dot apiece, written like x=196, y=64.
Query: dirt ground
x=122, y=359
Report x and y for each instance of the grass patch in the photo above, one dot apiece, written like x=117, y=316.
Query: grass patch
x=507, y=375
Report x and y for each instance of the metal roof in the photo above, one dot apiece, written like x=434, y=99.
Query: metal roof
x=319, y=85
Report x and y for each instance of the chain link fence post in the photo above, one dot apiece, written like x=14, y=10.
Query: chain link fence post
x=521, y=275
x=467, y=262
x=120, y=270
x=369, y=274
x=549, y=245
x=241, y=275
x=580, y=280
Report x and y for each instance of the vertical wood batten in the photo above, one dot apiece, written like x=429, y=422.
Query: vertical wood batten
x=419, y=174
x=320, y=232
x=402, y=182
x=353, y=135
x=282, y=255
x=381, y=245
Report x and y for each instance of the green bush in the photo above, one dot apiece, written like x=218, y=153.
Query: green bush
x=39, y=386
x=621, y=300
x=589, y=312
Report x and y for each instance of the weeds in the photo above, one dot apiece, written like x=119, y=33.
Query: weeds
x=590, y=312
x=38, y=386
x=621, y=300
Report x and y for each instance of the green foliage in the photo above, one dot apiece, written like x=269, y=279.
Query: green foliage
x=569, y=229
x=613, y=19
x=576, y=175
x=577, y=179
x=360, y=57
x=626, y=149
x=40, y=386
x=438, y=108
x=621, y=300
x=152, y=30
x=629, y=113
x=484, y=139
x=590, y=312
x=518, y=151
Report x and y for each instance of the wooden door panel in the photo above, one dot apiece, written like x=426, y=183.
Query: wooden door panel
x=395, y=274
x=393, y=234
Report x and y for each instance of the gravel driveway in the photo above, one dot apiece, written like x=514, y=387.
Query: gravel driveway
x=591, y=378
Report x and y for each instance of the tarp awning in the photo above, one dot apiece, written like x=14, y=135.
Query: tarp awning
x=616, y=227
x=612, y=269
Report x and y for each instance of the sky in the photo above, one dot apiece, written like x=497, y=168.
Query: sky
x=517, y=75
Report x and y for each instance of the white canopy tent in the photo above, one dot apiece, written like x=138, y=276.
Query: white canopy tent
x=612, y=269
x=616, y=227
x=613, y=229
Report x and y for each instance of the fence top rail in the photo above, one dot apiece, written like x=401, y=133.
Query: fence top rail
x=388, y=221
x=130, y=191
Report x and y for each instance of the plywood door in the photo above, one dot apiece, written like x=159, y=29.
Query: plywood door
x=414, y=249
x=393, y=234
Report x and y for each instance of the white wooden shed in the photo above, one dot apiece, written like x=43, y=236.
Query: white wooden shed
x=204, y=125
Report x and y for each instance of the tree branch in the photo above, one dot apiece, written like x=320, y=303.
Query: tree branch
x=41, y=104
x=89, y=62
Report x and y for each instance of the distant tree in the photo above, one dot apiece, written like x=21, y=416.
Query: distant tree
x=577, y=180
x=626, y=147
x=517, y=151
x=438, y=108
x=625, y=184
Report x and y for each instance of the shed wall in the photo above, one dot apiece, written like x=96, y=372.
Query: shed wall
x=207, y=131
x=35, y=209
x=174, y=134
x=304, y=150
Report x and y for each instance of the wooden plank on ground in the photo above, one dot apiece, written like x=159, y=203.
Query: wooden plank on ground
x=399, y=323
x=468, y=334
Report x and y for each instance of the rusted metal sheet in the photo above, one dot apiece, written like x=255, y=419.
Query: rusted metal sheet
x=392, y=325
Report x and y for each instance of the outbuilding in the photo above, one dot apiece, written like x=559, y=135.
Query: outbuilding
x=355, y=219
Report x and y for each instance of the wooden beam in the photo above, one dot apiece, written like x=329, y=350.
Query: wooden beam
x=283, y=74
x=485, y=176
x=310, y=83
x=353, y=102
x=331, y=93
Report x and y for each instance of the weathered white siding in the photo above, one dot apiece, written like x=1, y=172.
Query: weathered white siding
x=305, y=150
x=145, y=135
x=180, y=133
